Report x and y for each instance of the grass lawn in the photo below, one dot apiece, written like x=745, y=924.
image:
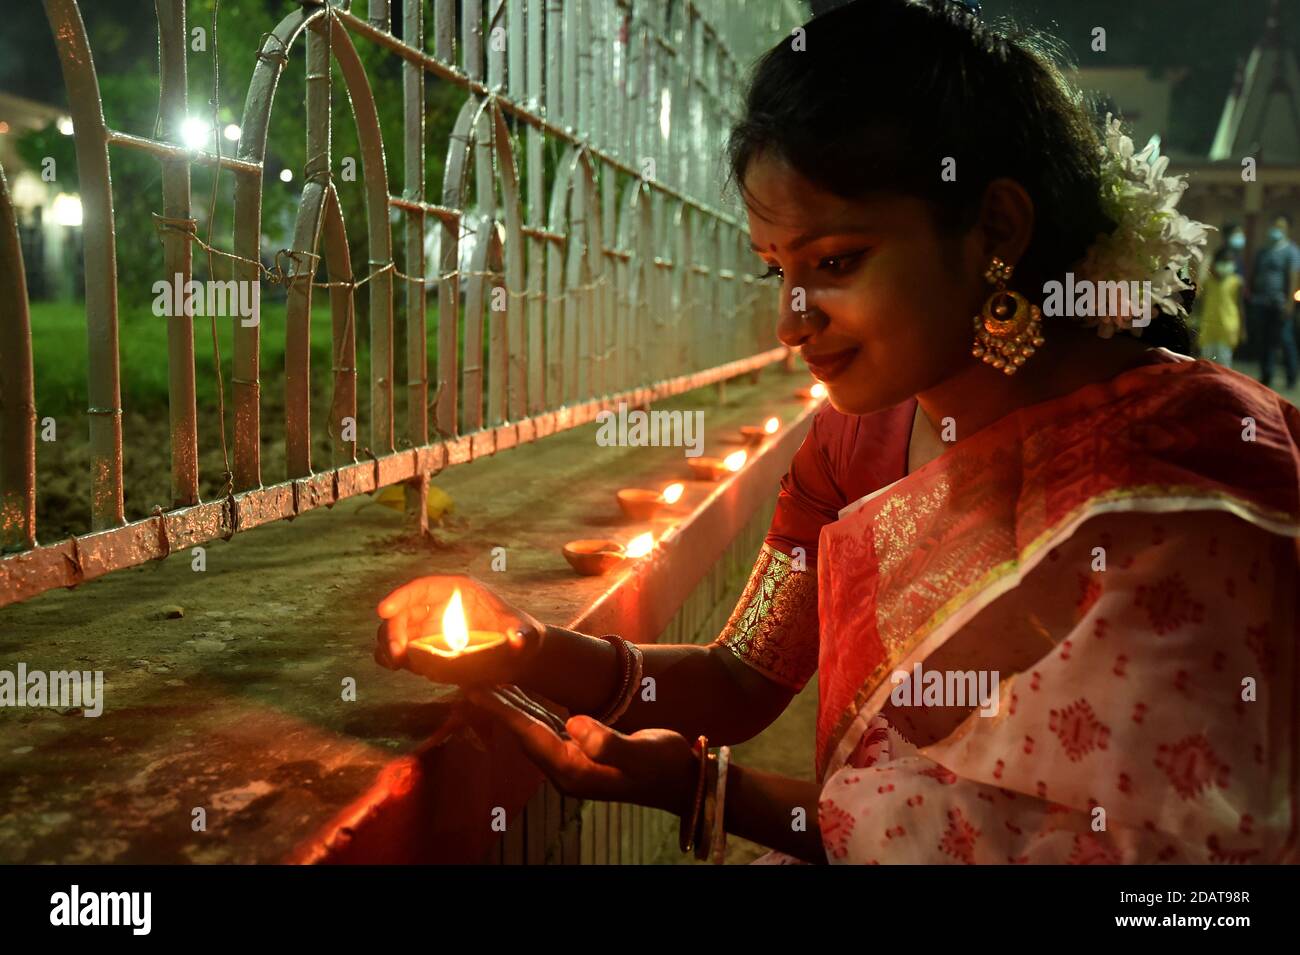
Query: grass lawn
x=60, y=350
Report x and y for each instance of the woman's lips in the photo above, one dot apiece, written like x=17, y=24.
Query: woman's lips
x=828, y=366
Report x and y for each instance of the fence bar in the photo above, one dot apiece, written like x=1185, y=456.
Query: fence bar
x=444, y=31
x=535, y=212
x=379, y=236
x=17, y=389
x=343, y=408
x=417, y=357
x=516, y=50
x=570, y=68
x=272, y=55
x=446, y=406
x=304, y=261
x=496, y=45
x=170, y=151
x=91, y=138
x=178, y=257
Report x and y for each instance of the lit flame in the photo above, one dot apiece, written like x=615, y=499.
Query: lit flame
x=640, y=545
x=735, y=460
x=454, y=630
x=673, y=492
x=771, y=425
x=818, y=390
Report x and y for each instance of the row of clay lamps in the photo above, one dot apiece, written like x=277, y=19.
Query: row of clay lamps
x=592, y=557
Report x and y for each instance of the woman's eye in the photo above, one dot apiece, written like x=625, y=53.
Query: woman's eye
x=773, y=272
x=840, y=264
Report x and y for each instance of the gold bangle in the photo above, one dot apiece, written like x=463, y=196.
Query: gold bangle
x=621, y=649
x=686, y=833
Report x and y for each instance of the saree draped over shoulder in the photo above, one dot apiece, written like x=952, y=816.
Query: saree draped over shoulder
x=1101, y=592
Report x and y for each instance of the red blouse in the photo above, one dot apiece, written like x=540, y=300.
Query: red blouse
x=843, y=458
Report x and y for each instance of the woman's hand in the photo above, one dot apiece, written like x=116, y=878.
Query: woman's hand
x=585, y=759
x=415, y=610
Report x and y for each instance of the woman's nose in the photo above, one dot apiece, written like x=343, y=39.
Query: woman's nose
x=796, y=326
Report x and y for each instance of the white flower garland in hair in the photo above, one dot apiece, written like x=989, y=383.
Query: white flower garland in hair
x=1152, y=242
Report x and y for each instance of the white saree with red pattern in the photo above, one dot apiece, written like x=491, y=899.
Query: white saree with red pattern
x=1124, y=559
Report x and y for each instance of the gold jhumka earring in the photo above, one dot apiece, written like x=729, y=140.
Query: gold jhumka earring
x=1008, y=328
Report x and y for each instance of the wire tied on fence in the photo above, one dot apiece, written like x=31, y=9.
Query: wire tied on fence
x=78, y=571
x=278, y=56
x=371, y=455
x=164, y=538
x=231, y=508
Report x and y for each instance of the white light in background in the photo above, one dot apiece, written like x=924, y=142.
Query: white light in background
x=286, y=175
x=195, y=132
x=66, y=209
x=28, y=190
x=232, y=133
x=665, y=113
x=65, y=125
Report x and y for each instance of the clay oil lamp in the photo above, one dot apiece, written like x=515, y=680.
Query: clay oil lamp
x=714, y=469
x=642, y=505
x=752, y=434
x=592, y=558
x=814, y=393
x=455, y=640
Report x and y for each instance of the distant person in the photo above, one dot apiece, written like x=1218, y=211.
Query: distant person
x=1234, y=240
x=1217, y=314
x=1272, y=295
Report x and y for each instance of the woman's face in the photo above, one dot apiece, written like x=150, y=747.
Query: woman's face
x=879, y=304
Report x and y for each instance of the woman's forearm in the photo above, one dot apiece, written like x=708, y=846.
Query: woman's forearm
x=577, y=671
x=687, y=688
x=774, y=811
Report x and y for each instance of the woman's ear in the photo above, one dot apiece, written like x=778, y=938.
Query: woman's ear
x=1006, y=220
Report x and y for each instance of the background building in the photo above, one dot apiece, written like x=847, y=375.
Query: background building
x=49, y=218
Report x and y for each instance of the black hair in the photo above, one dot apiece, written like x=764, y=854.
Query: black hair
x=884, y=91
x=1285, y=217
x=1230, y=227
x=1223, y=254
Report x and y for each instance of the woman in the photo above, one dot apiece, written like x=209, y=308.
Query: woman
x=1217, y=315
x=1087, y=537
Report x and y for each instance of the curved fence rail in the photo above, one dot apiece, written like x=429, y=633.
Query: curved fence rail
x=611, y=274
